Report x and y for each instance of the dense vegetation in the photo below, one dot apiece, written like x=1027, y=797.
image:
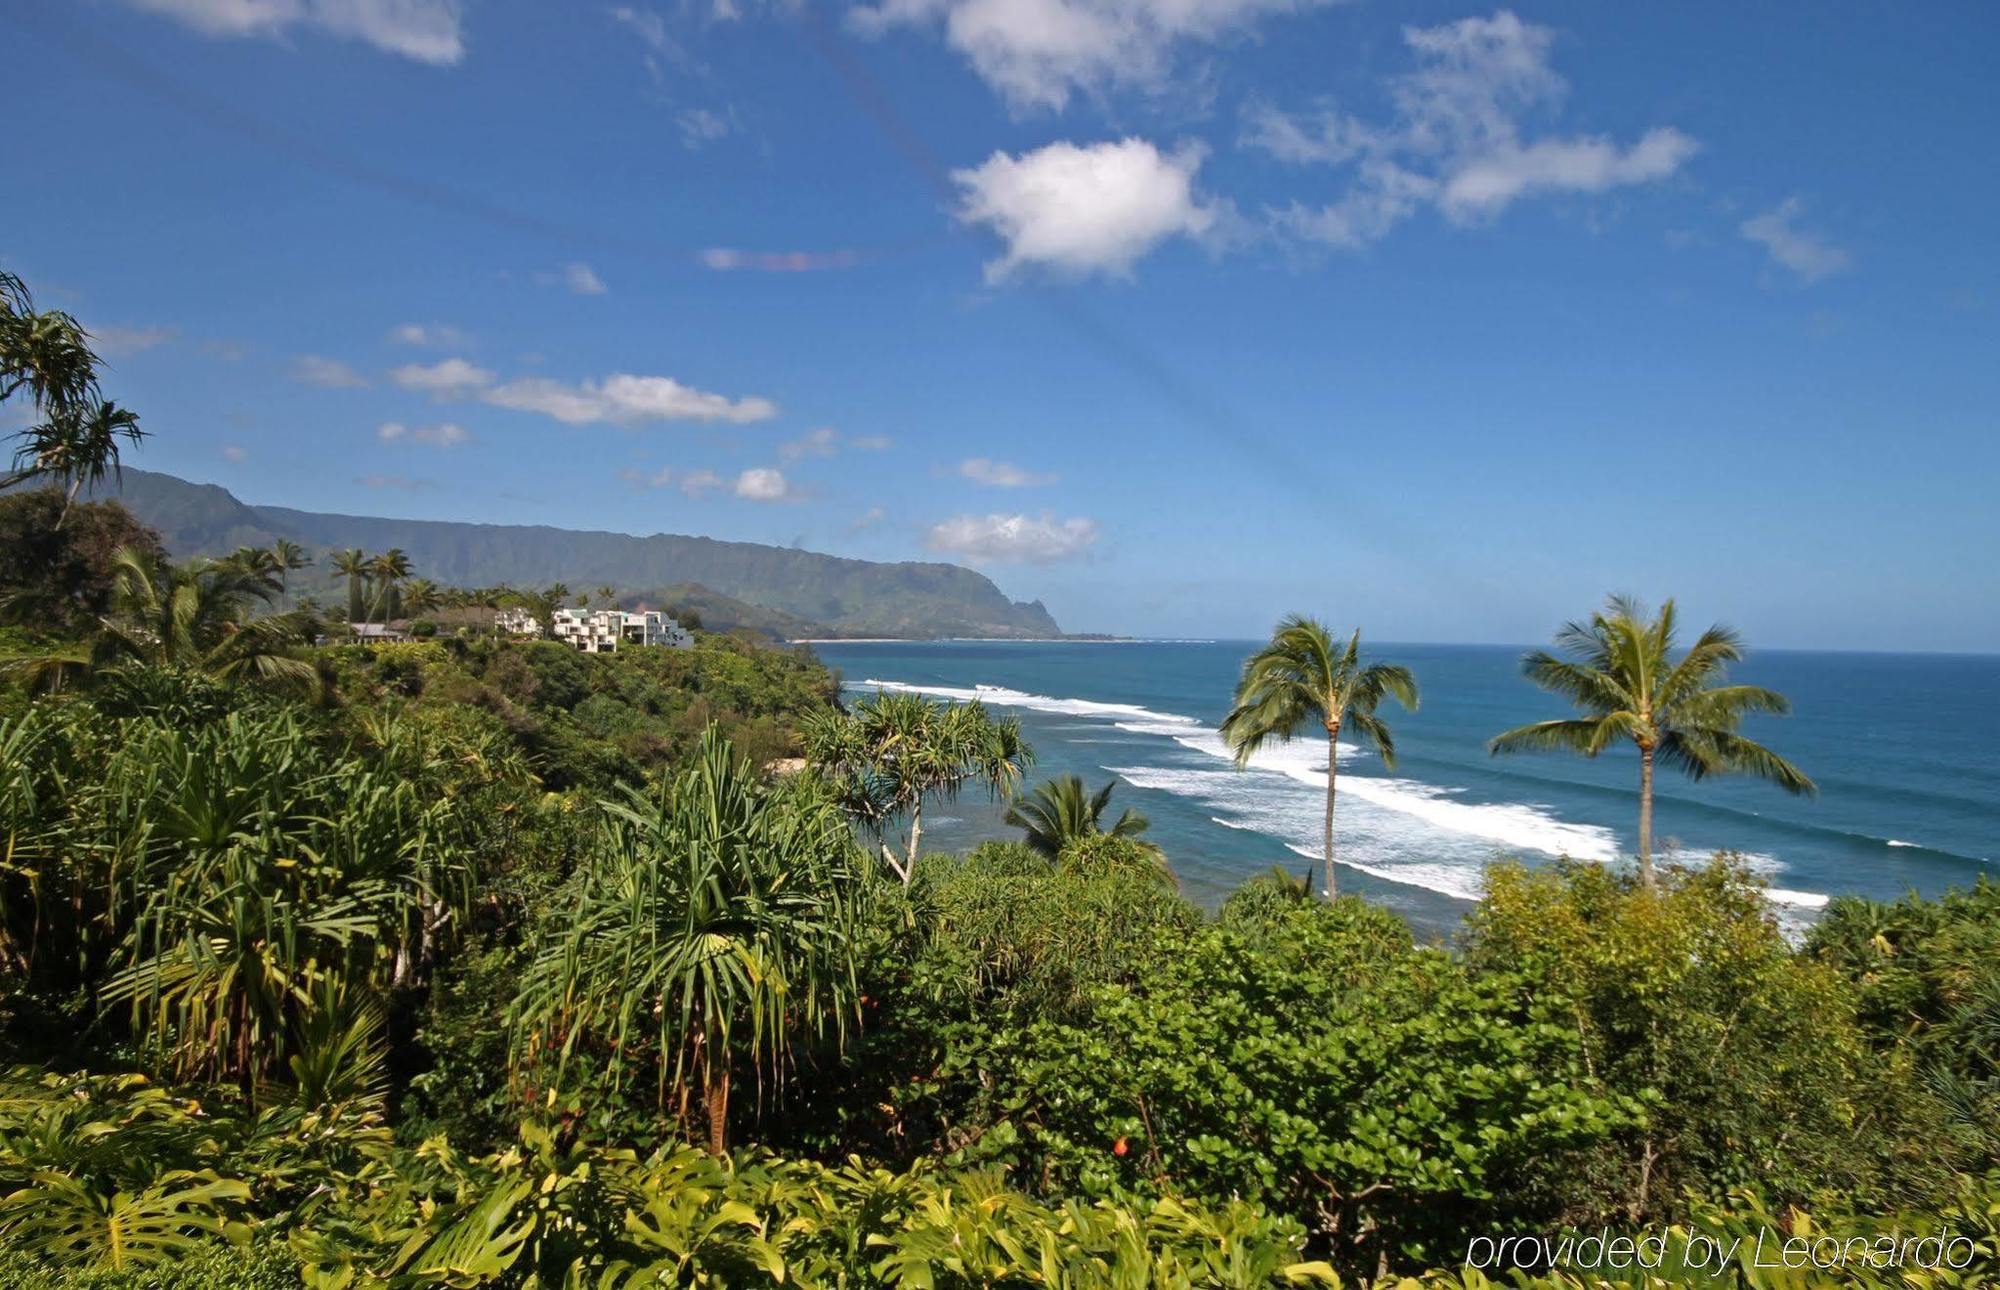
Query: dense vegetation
x=798, y=593
x=470, y=961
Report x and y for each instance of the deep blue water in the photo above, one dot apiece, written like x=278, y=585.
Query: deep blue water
x=1903, y=748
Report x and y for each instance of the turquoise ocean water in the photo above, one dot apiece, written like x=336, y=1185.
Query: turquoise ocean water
x=1902, y=746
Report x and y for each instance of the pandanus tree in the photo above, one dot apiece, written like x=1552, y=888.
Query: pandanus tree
x=1619, y=669
x=895, y=750
x=1060, y=812
x=713, y=934
x=1307, y=677
x=73, y=438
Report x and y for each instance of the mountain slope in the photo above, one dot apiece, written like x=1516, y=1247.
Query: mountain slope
x=839, y=595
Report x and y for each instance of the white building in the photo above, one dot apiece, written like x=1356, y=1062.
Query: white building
x=600, y=631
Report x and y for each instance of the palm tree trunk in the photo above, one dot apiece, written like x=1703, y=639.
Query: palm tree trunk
x=1646, y=818
x=717, y=1100
x=916, y=834
x=1332, y=768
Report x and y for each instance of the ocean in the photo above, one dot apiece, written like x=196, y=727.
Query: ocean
x=1902, y=746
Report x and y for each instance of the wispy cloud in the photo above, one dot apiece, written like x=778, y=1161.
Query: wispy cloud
x=330, y=373
x=445, y=434
x=578, y=278
x=117, y=342
x=646, y=478
x=700, y=126
x=868, y=519
x=1807, y=255
x=1013, y=539
x=429, y=31
x=450, y=378
x=429, y=335
x=1000, y=474
x=700, y=482
x=235, y=452
x=624, y=399
x=403, y=482
x=1456, y=141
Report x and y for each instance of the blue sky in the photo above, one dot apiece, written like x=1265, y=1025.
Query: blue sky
x=1177, y=314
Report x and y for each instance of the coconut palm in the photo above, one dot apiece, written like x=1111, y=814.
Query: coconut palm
x=291, y=556
x=422, y=596
x=714, y=933
x=894, y=750
x=388, y=571
x=195, y=617
x=609, y=595
x=1618, y=669
x=352, y=565
x=1060, y=812
x=1303, y=676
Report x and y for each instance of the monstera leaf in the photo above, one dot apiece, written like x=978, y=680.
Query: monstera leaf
x=70, y=1225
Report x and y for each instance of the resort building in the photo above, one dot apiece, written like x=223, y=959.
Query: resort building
x=601, y=631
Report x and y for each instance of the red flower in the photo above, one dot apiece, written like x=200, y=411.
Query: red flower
x=1119, y=1147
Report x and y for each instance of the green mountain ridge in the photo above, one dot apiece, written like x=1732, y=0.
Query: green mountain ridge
x=805, y=592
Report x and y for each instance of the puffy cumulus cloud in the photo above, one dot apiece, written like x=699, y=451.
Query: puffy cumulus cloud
x=999, y=474
x=1037, y=53
x=1455, y=139
x=625, y=399
x=330, y=373
x=450, y=378
x=432, y=335
x=1805, y=254
x=1012, y=539
x=429, y=31
x=1081, y=210
x=443, y=435
x=763, y=484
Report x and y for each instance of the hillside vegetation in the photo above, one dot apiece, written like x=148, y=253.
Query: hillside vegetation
x=803, y=592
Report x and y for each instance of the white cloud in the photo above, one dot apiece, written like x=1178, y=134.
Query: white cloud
x=116, y=342
x=579, y=278
x=871, y=443
x=1455, y=139
x=823, y=442
x=625, y=399
x=700, y=482
x=235, y=452
x=433, y=335
x=999, y=474
x=311, y=369
x=763, y=484
x=451, y=378
x=1080, y=210
x=1808, y=255
x=700, y=127
x=868, y=519
x=443, y=435
x=429, y=31
x=646, y=479
x=1036, y=53
x=1013, y=539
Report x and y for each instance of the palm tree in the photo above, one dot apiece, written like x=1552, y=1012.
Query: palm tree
x=1303, y=675
x=290, y=555
x=609, y=595
x=894, y=750
x=49, y=355
x=1619, y=671
x=388, y=570
x=714, y=931
x=422, y=596
x=195, y=617
x=1059, y=812
x=352, y=565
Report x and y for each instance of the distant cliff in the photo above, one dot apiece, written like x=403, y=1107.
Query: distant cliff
x=808, y=593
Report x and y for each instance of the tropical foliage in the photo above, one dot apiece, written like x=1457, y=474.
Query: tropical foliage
x=1059, y=813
